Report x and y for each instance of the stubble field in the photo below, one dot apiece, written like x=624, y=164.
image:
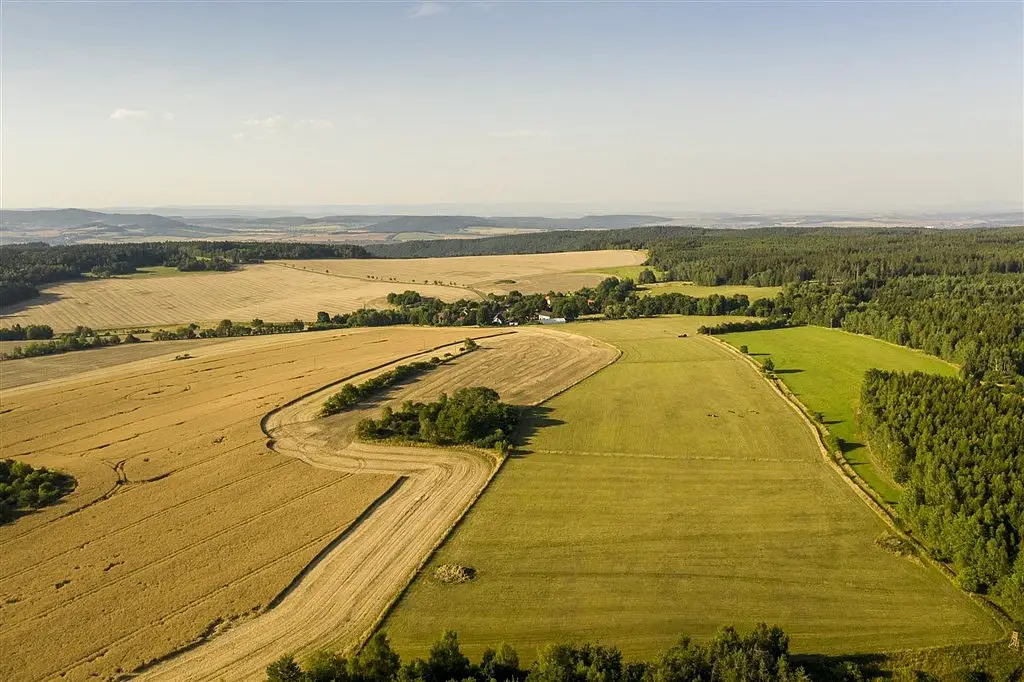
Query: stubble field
x=285, y=290
x=184, y=523
x=182, y=520
x=671, y=493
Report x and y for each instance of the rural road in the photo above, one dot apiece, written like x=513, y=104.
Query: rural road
x=343, y=593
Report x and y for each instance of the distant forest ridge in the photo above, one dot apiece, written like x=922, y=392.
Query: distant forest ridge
x=71, y=225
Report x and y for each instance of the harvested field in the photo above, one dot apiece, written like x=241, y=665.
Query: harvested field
x=182, y=521
x=285, y=290
x=669, y=494
x=338, y=601
x=270, y=292
x=26, y=371
x=541, y=272
x=824, y=368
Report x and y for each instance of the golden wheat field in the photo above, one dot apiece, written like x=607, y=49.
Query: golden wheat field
x=528, y=273
x=285, y=290
x=184, y=523
x=182, y=519
x=271, y=292
x=337, y=603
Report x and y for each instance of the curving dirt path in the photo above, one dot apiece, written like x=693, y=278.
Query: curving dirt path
x=340, y=597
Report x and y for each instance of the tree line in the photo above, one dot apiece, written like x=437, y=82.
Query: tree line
x=956, y=447
x=761, y=655
x=23, y=267
x=81, y=338
x=470, y=416
x=24, y=487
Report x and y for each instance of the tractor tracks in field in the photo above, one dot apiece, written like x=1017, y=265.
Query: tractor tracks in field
x=343, y=594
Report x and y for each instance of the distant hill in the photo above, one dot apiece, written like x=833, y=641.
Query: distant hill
x=75, y=224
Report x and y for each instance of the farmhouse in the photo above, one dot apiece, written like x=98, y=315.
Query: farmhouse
x=547, y=319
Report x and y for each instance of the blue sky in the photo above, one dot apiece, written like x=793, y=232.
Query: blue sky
x=708, y=106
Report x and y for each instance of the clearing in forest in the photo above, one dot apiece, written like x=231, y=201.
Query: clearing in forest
x=824, y=368
x=699, y=291
x=671, y=493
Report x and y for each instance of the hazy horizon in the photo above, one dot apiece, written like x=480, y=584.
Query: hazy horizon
x=656, y=108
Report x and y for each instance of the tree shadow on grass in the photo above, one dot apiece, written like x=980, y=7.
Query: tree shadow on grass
x=788, y=371
x=820, y=666
x=532, y=420
x=848, y=446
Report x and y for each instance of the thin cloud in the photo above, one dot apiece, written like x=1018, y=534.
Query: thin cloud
x=520, y=133
x=129, y=114
x=168, y=116
x=238, y=136
x=269, y=123
x=314, y=124
x=428, y=8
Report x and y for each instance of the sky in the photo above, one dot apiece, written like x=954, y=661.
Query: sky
x=870, y=106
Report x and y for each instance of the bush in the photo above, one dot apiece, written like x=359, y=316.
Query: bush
x=24, y=487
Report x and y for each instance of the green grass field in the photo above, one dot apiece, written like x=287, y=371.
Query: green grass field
x=697, y=291
x=824, y=368
x=672, y=493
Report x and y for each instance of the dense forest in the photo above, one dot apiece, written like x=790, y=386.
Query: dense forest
x=24, y=487
x=956, y=446
x=470, y=416
x=762, y=655
x=23, y=267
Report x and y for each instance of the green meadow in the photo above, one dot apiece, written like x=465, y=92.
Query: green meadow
x=672, y=493
x=824, y=368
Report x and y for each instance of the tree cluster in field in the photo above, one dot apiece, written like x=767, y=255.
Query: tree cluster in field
x=23, y=267
x=470, y=416
x=32, y=332
x=744, y=326
x=24, y=487
x=352, y=394
x=227, y=329
x=82, y=338
x=956, y=446
x=761, y=655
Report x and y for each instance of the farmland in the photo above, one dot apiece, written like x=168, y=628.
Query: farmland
x=174, y=450
x=285, y=290
x=528, y=273
x=698, y=291
x=824, y=368
x=172, y=473
x=696, y=497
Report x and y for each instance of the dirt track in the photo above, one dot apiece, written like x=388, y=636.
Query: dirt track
x=339, y=598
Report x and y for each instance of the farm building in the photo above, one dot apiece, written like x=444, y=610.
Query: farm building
x=547, y=319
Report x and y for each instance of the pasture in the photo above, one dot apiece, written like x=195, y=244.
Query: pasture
x=698, y=291
x=183, y=521
x=285, y=290
x=668, y=494
x=824, y=368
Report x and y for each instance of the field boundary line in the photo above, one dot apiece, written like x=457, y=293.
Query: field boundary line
x=361, y=641
x=860, y=488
